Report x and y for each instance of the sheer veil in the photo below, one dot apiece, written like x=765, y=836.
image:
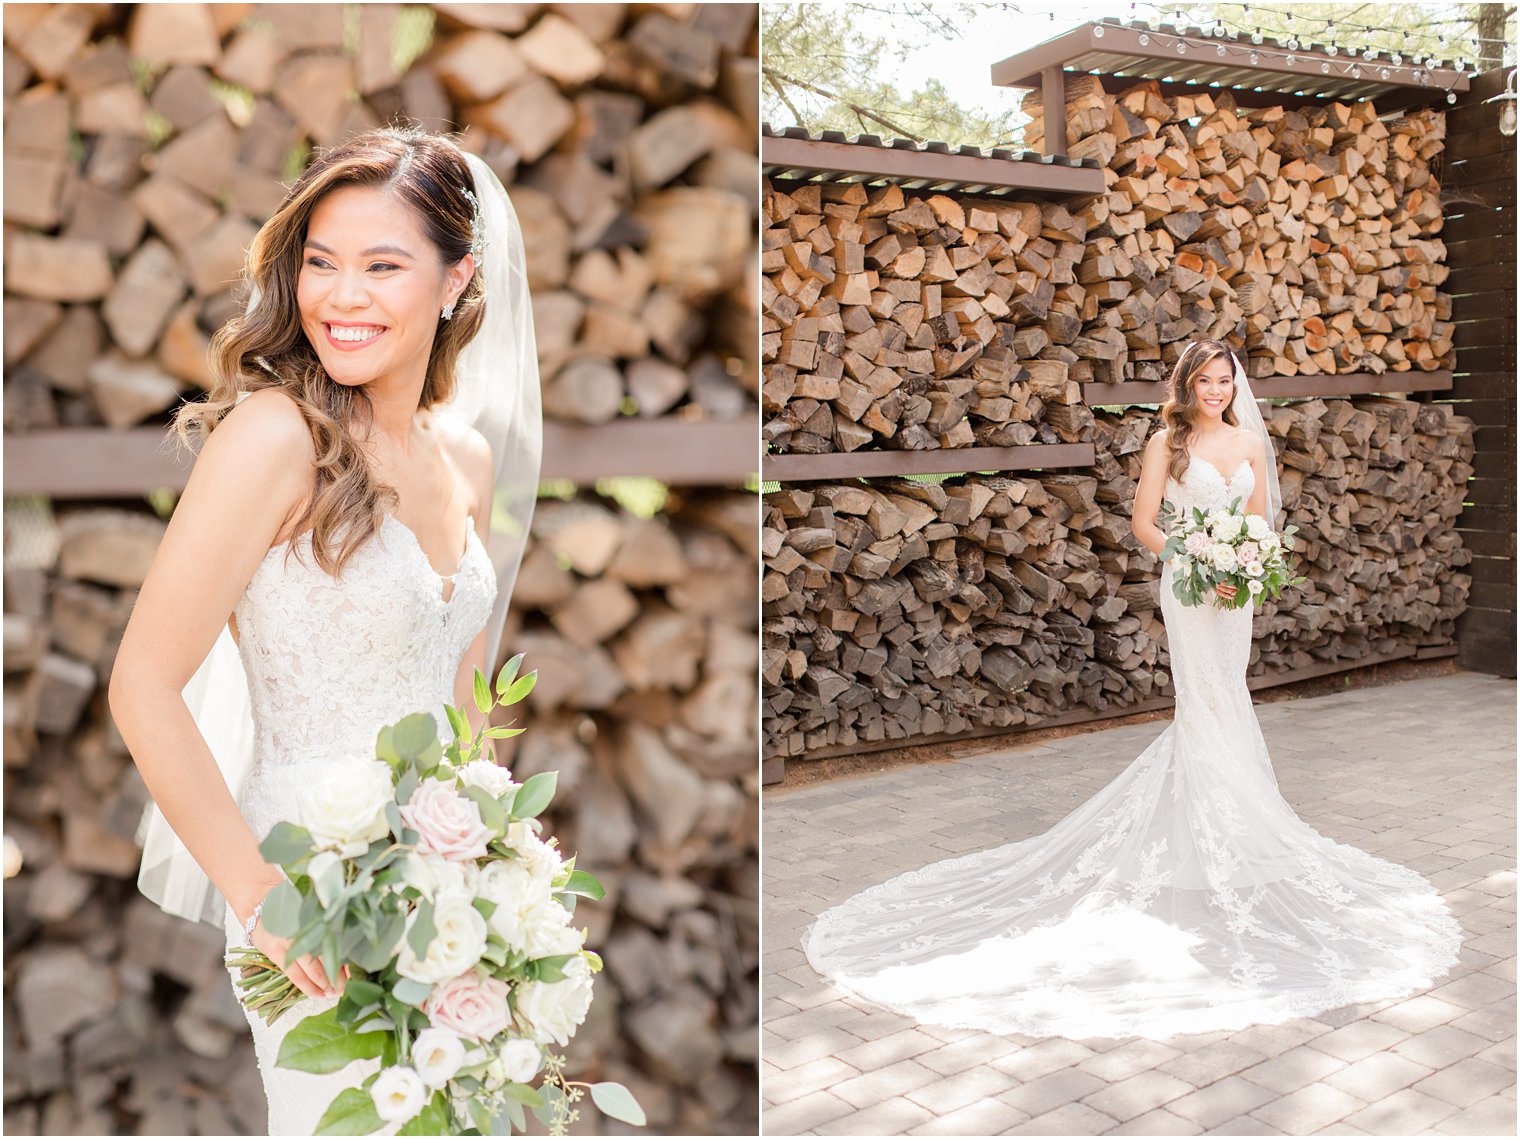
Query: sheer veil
x=496, y=391
x=1248, y=414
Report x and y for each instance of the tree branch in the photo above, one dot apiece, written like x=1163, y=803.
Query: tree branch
x=782, y=77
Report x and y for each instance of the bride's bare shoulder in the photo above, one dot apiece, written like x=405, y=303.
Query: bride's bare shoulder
x=265, y=423
x=469, y=449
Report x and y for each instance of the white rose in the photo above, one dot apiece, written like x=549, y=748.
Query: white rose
x=398, y=1093
x=491, y=778
x=518, y=1061
x=456, y=946
x=344, y=807
x=541, y=859
x=438, y=1055
x=1227, y=528
x=554, y=1009
x=1223, y=557
x=1256, y=527
x=547, y=931
x=1270, y=541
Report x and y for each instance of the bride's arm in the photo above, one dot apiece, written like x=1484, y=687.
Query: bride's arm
x=254, y=468
x=1149, y=493
x=473, y=454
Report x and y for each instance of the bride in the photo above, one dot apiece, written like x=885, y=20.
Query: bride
x=326, y=571
x=1186, y=896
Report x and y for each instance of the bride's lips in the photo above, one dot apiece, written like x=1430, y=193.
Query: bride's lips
x=350, y=345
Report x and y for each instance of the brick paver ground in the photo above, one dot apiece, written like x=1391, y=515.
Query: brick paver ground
x=1421, y=772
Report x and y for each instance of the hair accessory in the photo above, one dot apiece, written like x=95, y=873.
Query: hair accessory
x=477, y=227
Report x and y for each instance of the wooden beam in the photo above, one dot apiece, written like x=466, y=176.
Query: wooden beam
x=780, y=155
x=101, y=463
x=945, y=460
x=1053, y=100
x=1282, y=387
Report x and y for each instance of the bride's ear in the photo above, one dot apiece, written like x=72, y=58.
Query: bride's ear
x=458, y=277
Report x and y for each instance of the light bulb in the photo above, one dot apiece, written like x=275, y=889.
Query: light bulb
x=1370, y=54
x=1256, y=36
x=1293, y=45
x=1331, y=49
x=1292, y=59
x=1507, y=119
x=1144, y=39
x=1181, y=47
x=1097, y=31
x=1382, y=73
x=1255, y=58
x=1397, y=59
x=1324, y=65
x=1356, y=72
x=1451, y=96
x=1220, y=49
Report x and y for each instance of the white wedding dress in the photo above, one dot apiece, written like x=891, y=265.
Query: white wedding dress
x=329, y=662
x=1186, y=896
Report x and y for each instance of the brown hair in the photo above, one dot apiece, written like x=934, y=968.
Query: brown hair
x=1181, y=404
x=265, y=346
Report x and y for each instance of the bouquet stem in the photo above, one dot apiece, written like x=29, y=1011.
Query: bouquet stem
x=262, y=985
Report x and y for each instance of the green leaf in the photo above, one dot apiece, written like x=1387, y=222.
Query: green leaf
x=407, y=785
x=385, y=748
x=511, y=1115
x=457, y=722
x=361, y=993
x=320, y=1044
x=421, y=935
x=281, y=914
x=503, y=733
x=414, y=733
x=411, y=992
x=519, y=689
x=285, y=842
x=485, y=906
x=586, y=885
x=508, y=674
x=433, y=1119
x=525, y=1094
x=482, y=692
x=550, y=969
x=351, y=1113
x=617, y=1101
x=393, y=820
x=534, y=795
x=492, y=813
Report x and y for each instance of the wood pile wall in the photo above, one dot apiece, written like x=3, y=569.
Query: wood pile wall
x=910, y=321
x=144, y=145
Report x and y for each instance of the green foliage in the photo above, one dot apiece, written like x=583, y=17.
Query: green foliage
x=616, y=1101
x=351, y=1113
x=820, y=71
x=320, y=1044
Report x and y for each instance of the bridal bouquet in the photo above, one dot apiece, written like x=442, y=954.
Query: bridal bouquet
x=425, y=872
x=1225, y=547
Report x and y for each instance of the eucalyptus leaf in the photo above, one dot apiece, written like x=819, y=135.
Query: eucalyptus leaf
x=534, y=795
x=422, y=931
x=414, y=733
x=321, y=1044
x=406, y=786
x=525, y=1094
x=351, y=1113
x=385, y=747
x=515, y=1117
x=281, y=914
x=491, y=811
x=411, y=992
x=617, y=1101
x=285, y=843
x=393, y=820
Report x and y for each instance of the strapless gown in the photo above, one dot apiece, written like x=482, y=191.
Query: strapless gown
x=329, y=662
x=1186, y=896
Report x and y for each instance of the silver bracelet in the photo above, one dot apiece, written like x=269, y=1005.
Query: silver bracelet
x=252, y=921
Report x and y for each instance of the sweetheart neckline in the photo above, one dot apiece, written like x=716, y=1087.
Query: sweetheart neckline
x=1228, y=479
x=387, y=516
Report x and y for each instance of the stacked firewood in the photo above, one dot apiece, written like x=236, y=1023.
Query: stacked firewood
x=146, y=143
x=915, y=320
x=119, y=1019
x=907, y=608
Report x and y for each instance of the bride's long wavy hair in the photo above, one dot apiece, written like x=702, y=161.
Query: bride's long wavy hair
x=266, y=347
x=1180, y=410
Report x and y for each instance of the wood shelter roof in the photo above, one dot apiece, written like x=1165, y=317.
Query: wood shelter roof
x=1188, y=60
x=831, y=156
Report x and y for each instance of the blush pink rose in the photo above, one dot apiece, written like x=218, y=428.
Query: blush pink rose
x=1248, y=552
x=1196, y=543
x=472, y=1006
x=447, y=824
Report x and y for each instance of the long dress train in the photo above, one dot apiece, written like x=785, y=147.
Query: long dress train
x=1186, y=896
x=329, y=662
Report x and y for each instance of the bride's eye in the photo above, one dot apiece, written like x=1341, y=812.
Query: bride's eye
x=318, y=263
x=383, y=267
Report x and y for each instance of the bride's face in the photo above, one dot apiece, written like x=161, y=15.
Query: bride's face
x=371, y=287
x=1214, y=388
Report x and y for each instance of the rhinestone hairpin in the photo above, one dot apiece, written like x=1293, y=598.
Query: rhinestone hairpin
x=477, y=226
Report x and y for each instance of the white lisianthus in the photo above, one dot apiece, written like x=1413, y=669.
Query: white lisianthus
x=1223, y=556
x=554, y=1009
x=490, y=777
x=434, y=875
x=438, y=1054
x=456, y=946
x=399, y=1094
x=518, y=1061
x=541, y=859
x=1256, y=527
x=1255, y=569
x=1269, y=541
x=344, y=806
x=1255, y=587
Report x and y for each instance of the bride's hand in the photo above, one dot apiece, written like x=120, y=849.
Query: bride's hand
x=305, y=972
x=1225, y=591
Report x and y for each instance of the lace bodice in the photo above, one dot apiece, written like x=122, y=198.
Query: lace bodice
x=1203, y=485
x=331, y=660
